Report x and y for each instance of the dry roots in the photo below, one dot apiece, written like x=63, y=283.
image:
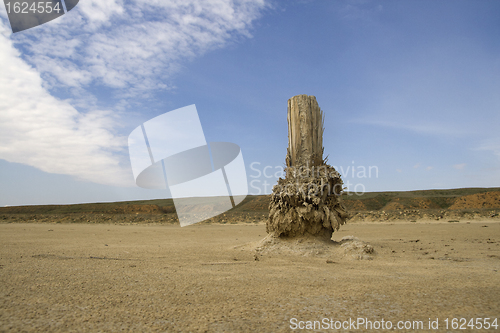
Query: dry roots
x=307, y=201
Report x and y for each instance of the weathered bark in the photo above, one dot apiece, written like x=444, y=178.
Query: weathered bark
x=305, y=132
x=308, y=200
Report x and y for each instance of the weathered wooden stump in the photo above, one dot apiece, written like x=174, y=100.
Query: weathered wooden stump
x=307, y=201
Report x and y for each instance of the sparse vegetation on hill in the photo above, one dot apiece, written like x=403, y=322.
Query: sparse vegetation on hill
x=454, y=204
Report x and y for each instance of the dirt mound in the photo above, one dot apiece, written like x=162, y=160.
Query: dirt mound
x=256, y=203
x=356, y=249
x=410, y=203
x=394, y=205
x=349, y=247
x=354, y=205
x=479, y=200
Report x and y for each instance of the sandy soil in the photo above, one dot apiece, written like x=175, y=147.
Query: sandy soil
x=81, y=277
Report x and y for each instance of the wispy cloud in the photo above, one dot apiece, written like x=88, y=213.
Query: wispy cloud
x=460, y=166
x=39, y=130
x=359, y=9
x=425, y=128
x=131, y=47
x=492, y=145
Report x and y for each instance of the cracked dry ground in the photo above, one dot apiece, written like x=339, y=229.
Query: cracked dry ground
x=81, y=277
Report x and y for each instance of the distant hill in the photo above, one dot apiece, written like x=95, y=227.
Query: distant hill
x=476, y=198
x=376, y=206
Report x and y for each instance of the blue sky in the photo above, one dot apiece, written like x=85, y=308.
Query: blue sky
x=408, y=88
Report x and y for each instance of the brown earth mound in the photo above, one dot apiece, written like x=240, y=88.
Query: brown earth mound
x=479, y=200
x=353, y=205
x=410, y=203
x=394, y=205
x=256, y=203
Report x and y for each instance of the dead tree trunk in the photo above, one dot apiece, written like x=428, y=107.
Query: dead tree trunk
x=308, y=200
x=305, y=132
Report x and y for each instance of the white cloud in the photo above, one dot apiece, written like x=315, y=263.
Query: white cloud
x=133, y=47
x=429, y=168
x=137, y=45
x=416, y=166
x=39, y=130
x=460, y=166
x=98, y=13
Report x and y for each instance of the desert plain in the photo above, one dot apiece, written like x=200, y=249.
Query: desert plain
x=217, y=277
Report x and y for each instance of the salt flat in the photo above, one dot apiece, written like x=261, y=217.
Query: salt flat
x=108, y=277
